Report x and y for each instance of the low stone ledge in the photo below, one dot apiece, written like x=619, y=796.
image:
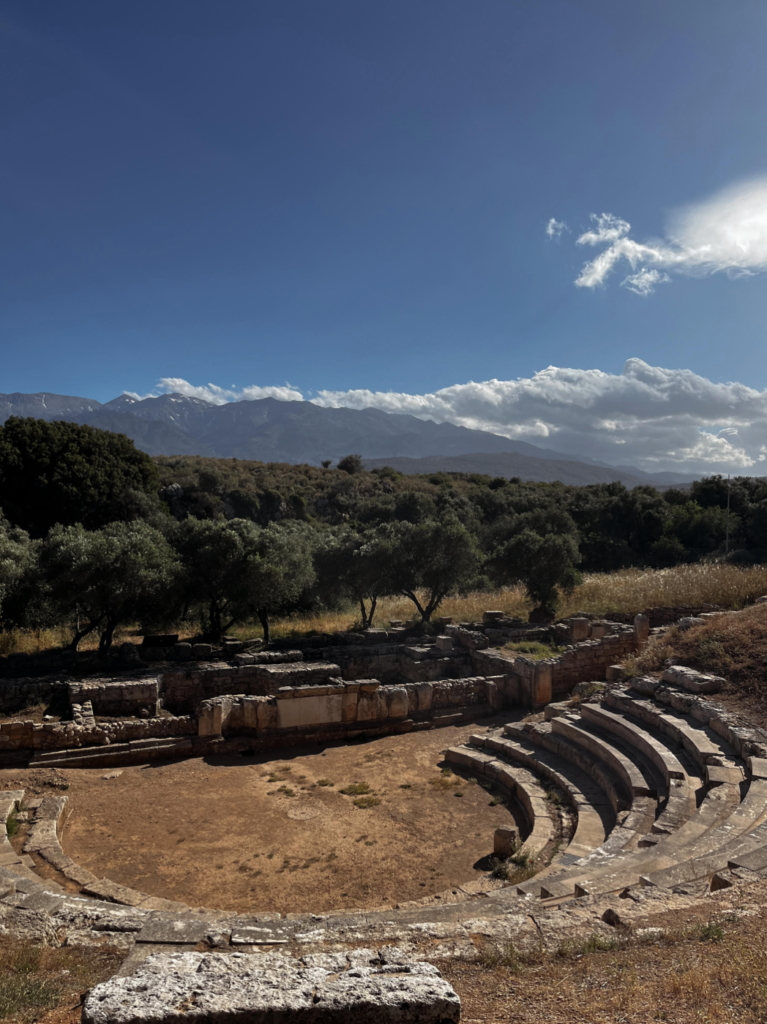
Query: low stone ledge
x=362, y=986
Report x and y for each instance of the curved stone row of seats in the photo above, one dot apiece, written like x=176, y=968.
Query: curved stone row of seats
x=672, y=829
x=595, y=813
x=705, y=823
x=519, y=783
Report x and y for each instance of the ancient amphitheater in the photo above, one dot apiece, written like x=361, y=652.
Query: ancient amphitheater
x=634, y=793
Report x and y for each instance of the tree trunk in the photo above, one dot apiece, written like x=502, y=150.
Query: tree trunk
x=80, y=634
x=215, y=622
x=373, y=603
x=263, y=618
x=105, y=641
x=421, y=611
x=364, y=614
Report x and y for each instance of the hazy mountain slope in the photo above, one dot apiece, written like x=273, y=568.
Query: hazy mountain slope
x=44, y=406
x=299, y=432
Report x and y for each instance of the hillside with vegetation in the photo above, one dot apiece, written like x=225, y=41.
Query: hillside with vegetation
x=96, y=534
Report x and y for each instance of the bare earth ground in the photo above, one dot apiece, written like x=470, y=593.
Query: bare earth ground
x=274, y=833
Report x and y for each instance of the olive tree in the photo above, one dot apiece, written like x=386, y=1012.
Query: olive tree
x=283, y=572
x=217, y=559
x=100, y=578
x=544, y=563
x=357, y=565
x=428, y=561
x=17, y=558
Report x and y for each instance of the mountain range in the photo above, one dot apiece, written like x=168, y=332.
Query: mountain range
x=270, y=430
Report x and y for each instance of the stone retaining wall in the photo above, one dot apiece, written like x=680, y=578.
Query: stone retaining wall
x=182, y=691
x=128, y=697
x=341, y=706
x=398, y=663
x=664, y=616
x=28, y=735
x=538, y=682
x=17, y=694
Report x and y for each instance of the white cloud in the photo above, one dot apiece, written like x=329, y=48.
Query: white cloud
x=724, y=234
x=644, y=281
x=555, y=228
x=647, y=416
x=220, y=396
x=650, y=417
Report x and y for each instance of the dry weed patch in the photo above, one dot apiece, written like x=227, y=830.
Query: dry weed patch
x=715, y=973
x=733, y=646
x=38, y=979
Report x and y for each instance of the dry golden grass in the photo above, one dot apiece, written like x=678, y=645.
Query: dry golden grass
x=733, y=646
x=716, y=974
x=631, y=590
x=38, y=980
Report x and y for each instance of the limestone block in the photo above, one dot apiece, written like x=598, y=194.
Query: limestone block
x=396, y=701
x=349, y=705
x=641, y=628
x=250, y=712
x=444, y=643
x=370, y=706
x=579, y=629
x=494, y=696
x=267, y=713
x=541, y=688
x=209, y=720
x=505, y=842
x=309, y=711
x=241, y=988
x=288, y=714
x=425, y=692
x=598, y=630
x=688, y=621
x=201, y=651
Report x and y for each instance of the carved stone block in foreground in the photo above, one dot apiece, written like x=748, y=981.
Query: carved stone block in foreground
x=363, y=986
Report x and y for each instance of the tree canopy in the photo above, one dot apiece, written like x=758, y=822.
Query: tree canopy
x=64, y=473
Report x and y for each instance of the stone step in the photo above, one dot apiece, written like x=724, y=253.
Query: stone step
x=595, y=817
x=638, y=778
x=113, y=754
x=626, y=868
x=700, y=742
x=521, y=783
x=635, y=734
x=541, y=734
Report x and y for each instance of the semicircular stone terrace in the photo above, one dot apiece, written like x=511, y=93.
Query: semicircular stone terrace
x=667, y=789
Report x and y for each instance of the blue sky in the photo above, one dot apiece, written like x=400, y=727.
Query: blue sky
x=347, y=195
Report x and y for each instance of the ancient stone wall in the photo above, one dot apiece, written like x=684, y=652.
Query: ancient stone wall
x=664, y=616
x=340, y=708
x=182, y=691
x=17, y=694
x=29, y=735
x=530, y=682
x=125, y=697
x=419, y=661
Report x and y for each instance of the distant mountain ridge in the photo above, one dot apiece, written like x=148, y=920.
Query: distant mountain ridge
x=270, y=430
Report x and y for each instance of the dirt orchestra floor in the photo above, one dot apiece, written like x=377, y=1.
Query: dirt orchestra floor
x=276, y=833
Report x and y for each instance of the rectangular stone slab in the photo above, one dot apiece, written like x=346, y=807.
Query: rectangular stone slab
x=268, y=988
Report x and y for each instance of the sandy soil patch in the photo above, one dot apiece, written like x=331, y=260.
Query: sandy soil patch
x=263, y=834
